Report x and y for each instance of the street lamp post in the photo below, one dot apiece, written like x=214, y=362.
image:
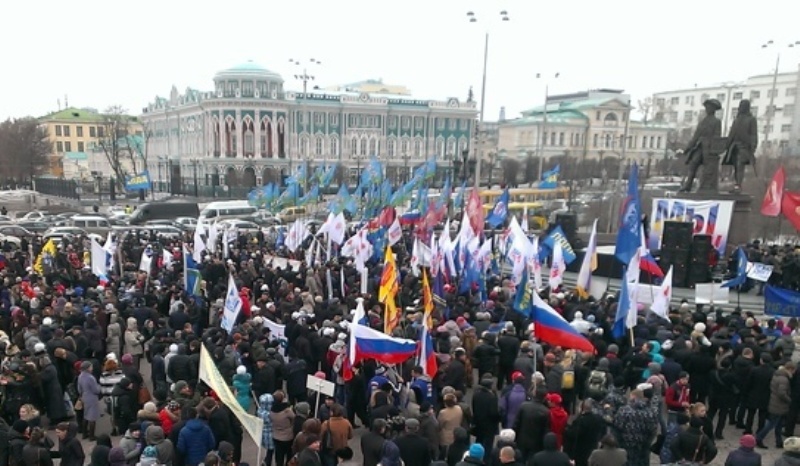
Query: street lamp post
x=543, y=132
x=306, y=125
x=474, y=19
x=771, y=109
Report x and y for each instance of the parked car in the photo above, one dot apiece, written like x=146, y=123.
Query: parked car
x=12, y=240
x=91, y=223
x=187, y=223
x=167, y=231
x=242, y=226
x=15, y=230
x=34, y=215
x=58, y=233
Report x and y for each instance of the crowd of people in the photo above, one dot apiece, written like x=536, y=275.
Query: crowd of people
x=785, y=262
x=74, y=347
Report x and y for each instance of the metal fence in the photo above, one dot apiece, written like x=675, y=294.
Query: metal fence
x=58, y=187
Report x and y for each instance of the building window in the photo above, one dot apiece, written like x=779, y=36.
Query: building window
x=660, y=101
x=755, y=95
x=417, y=148
x=333, y=119
x=373, y=147
x=404, y=146
x=658, y=142
x=392, y=122
x=737, y=96
x=440, y=122
x=688, y=116
x=406, y=122
x=704, y=97
x=79, y=131
x=452, y=124
x=318, y=145
x=101, y=132
x=80, y=146
x=689, y=99
x=319, y=117
x=553, y=138
x=788, y=109
x=92, y=132
x=363, y=147
x=595, y=140
x=790, y=91
x=721, y=97
x=675, y=101
x=67, y=146
x=354, y=146
x=608, y=141
x=465, y=124
x=59, y=146
x=673, y=117
x=419, y=123
x=58, y=130
x=390, y=147
x=786, y=128
x=631, y=142
x=440, y=147
x=754, y=110
x=451, y=146
x=772, y=93
x=66, y=130
x=247, y=89
x=335, y=147
x=610, y=119
x=560, y=139
x=597, y=115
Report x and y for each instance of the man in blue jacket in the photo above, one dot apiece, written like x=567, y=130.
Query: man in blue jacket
x=195, y=440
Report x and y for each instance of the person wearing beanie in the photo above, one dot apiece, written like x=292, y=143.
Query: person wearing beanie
x=692, y=445
x=17, y=438
x=474, y=456
x=116, y=457
x=551, y=455
x=302, y=410
x=413, y=447
x=745, y=454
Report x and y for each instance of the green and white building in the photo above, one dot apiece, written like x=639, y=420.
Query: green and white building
x=250, y=130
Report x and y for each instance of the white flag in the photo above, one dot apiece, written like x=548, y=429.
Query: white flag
x=211, y=242
x=99, y=256
x=632, y=278
x=557, y=267
x=199, y=244
x=534, y=263
x=661, y=300
x=395, y=232
x=167, y=258
x=296, y=235
x=525, y=219
x=233, y=304
x=146, y=262
x=337, y=229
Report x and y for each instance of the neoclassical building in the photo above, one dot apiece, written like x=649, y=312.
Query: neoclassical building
x=251, y=130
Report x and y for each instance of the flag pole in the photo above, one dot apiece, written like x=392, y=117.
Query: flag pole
x=633, y=343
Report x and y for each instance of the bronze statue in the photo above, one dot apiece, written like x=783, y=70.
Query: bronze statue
x=742, y=142
x=709, y=128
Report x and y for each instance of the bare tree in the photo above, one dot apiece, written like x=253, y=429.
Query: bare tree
x=511, y=169
x=646, y=108
x=119, y=143
x=24, y=149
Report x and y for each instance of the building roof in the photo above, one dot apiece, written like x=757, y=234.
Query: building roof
x=74, y=114
x=553, y=116
x=248, y=70
x=574, y=105
x=76, y=156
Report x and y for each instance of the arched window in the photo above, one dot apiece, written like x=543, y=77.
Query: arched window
x=373, y=147
x=318, y=145
x=334, y=146
x=417, y=148
x=611, y=119
x=363, y=148
x=354, y=146
x=390, y=147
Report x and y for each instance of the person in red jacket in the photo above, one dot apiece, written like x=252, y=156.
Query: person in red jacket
x=169, y=415
x=677, y=396
x=558, y=416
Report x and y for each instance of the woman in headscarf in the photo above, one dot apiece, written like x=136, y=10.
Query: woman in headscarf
x=390, y=455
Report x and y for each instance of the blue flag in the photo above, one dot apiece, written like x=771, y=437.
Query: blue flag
x=630, y=218
x=550, y=178
x=548, y=244
x=623, y=308
x=523, y=299
x=741, y=270
x=459, y=202
x=499, y=213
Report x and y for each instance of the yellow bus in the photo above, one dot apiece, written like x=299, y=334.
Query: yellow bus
x=522, y=195
x=537, y=215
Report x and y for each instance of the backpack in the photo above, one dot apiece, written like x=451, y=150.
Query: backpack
x=596, y=385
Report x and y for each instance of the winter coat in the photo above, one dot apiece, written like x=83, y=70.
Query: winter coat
x=550, y=454
x=16, y=443
x=532, y=423
x=53, y=393
x=340, y=431
x=608, y=457
x=510, y=401
x=154, y=435
x=114, y=336
x=788, y=459
x=264, y=407
x=485, y=412
x=70, y=449
x=36, y=455
x=282, y=417
x=485, y=356
x=724, y=388
x=743, y=457
x=241, y=385
x=195, y=441
x=449, y=419
x=413, y=450
x=89, y=390
x=780, y=393
x=582, y=436
x=636, y=424
x=693, y=446
x=757, y=391
x=131, y=447
x=133, y=342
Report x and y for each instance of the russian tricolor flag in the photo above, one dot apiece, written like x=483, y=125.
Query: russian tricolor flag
x=366, y=343
x=551, y=328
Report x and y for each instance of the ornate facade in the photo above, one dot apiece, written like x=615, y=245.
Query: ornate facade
x=250, y=130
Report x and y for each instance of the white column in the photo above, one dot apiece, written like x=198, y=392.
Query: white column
x=239, y=135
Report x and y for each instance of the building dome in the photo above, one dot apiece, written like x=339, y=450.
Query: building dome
x=248, y=71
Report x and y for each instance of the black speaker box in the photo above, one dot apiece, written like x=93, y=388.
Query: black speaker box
x=676, y=235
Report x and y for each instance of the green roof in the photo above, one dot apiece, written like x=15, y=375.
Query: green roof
x=74, y=114
x=76, y=156
x=576, y=105
x=553, y=116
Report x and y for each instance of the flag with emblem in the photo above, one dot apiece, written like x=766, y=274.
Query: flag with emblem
x=499, y=212
x=233, y=304
x=388, y=291
x=661, y=300
x=628, y=236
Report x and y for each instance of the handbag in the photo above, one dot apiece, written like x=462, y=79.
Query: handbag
x=144, y=395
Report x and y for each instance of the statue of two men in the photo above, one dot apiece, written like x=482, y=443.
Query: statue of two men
x=740, y=144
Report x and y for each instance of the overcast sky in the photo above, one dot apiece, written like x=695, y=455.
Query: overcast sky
x=100, y=53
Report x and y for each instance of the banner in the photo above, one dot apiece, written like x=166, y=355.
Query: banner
x=233, y=304
x=758, y=271
x=711, y=293
x=781, y=302
x=138, y=181
x=277, y=332
x=556, y=234
x=709, y=218
x=209, y=374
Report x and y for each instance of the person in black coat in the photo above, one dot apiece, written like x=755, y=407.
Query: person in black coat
x=52, y=391
x=485, y=413
x=532, y=423
x=700, y=366
x=372, y=443
x=70, y=449
x=693, y=446
x=296, y=373
x=508, y=345
x=413, y=448
x=724, y=395
x=127, y=404
x=583, y=435
x=455, y=375
x=757, y=392
x=17, y=438
x=264, y=377
x=485, y=356
x=525, y=363
x=550, y=454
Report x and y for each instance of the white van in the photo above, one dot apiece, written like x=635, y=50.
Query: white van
x=91, y=224
x=227, y=209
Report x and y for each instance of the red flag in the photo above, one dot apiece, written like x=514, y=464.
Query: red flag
x=791, y=208
x=475, y=212
x=771, y=205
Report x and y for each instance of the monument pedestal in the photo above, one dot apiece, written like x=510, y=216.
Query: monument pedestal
x=739, y=231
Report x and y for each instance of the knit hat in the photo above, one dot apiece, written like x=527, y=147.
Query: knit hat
x=613, y=348
x=86, y=365
x=792, y=444
x=476, y=451
x=302, y=408
x=747, y=441
x=412, y=425
x=127, y=359
x=20, y=425
x=508, y=435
